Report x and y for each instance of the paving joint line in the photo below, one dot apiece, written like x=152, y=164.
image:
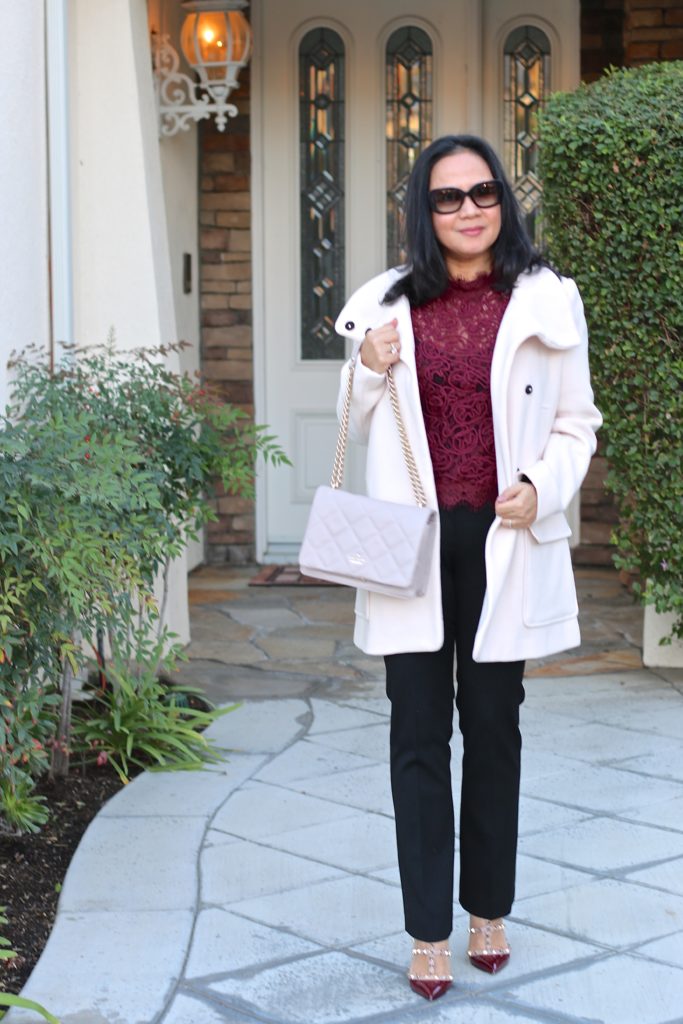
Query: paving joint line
x=252, y=970
x=356, y=873
x=345, y=771
x=541, y=1015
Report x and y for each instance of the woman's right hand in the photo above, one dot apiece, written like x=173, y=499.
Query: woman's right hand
x=381, y=347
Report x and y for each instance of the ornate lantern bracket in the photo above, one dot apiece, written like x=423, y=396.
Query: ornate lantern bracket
x=216, y=41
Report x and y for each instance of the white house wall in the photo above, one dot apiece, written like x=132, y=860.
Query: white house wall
x=179, y=163
x=121, y=261
x=122, y=267
x=24, y=284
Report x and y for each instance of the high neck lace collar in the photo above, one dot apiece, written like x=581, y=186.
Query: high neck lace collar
x=478, y=283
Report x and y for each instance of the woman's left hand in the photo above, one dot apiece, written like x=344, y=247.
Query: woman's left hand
x=517, y=506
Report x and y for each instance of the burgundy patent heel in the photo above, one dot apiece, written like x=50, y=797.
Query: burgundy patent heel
x=489, y=959
x=429, y=989
x=431, y=985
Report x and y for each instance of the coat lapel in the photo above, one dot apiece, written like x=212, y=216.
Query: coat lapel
x=539, y=308
x=365, y=310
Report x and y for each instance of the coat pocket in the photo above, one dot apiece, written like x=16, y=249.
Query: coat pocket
x=549, y=590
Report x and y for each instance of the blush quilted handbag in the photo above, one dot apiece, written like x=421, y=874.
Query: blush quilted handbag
x=382, y=546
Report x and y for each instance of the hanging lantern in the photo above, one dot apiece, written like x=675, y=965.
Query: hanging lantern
x=216, y=40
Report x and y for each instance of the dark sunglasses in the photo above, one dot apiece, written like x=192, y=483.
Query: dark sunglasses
x=483, y=195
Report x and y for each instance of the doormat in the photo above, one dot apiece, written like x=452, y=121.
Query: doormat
x=286, y=576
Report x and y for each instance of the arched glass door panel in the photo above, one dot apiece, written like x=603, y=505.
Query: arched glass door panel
x=408, y=71
x=321, y=125
x=527, y=60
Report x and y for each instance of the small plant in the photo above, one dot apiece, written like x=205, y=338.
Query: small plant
x=138, y=719
x=612, y=169
x=6, y=953
x=22, y=811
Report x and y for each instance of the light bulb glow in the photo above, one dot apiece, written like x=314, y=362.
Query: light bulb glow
x=209, y=35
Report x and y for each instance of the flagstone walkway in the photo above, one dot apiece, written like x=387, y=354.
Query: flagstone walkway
x=266, y=889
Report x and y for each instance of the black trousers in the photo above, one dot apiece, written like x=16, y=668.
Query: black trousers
x=420, y=688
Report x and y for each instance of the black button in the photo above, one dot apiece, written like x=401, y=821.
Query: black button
x=349, y=325
x=528, y=389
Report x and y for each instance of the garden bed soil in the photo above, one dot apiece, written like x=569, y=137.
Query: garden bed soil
x=32, y=867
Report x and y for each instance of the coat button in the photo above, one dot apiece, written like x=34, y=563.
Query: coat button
x=349, y=325
x=528, y=389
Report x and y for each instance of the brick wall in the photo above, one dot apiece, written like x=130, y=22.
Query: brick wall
x=602, y=36
x=629, y=32
x=653, y=31
x=226, y=302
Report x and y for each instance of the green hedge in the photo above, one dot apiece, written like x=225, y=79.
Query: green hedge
x=612, y=169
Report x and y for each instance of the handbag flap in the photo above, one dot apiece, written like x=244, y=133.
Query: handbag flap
x=369, y=541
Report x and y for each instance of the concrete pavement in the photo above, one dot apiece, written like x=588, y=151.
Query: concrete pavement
x=266, y=889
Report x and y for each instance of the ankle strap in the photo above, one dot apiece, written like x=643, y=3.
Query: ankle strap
x=486, y=929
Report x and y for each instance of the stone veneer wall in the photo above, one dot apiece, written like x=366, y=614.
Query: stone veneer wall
x=619, y=32
x=226, y=300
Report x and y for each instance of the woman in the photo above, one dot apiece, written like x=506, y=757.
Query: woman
x=488, y=348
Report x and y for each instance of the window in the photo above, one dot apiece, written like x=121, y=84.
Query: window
x=408, y=73
x=526, y=85
x=321, y=117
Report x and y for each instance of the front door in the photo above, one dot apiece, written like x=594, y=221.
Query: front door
x=344, y=97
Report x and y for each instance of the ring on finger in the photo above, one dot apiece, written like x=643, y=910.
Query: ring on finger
x=510, y=523
x=393, y=349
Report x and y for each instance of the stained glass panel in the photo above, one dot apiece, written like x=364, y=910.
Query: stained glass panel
x=321, y=116
x=526, y=85
x=408, y=122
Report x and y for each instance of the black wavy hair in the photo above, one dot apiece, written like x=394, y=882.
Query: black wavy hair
x=512, y=252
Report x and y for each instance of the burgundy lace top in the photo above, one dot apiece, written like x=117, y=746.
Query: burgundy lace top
x=454, y=339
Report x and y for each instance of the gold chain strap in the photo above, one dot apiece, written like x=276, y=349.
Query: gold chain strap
x=342, y=438
x=411, y=465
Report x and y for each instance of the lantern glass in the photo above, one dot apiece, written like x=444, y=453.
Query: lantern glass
x=216, y=44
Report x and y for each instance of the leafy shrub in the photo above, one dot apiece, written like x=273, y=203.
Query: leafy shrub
x=181, y=438
x=106, y=469
x=66, y=563
x=612, y=169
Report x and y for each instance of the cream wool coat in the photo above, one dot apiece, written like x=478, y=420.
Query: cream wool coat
x=544, y=423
